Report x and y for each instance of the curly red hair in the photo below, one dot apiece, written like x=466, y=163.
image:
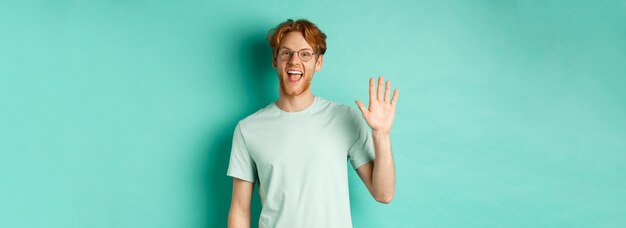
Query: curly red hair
x=312, y=34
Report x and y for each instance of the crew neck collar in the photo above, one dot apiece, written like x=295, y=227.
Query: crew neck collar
x=307, y=109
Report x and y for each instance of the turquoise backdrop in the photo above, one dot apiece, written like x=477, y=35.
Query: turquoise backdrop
x=120, y=113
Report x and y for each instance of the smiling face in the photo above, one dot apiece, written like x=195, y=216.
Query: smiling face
x=294, y=74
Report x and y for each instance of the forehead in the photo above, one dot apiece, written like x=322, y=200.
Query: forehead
x=294, y=41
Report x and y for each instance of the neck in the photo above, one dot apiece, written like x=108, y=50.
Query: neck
x=295, y=103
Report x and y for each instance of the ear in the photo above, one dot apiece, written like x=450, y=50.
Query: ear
x=274, y=63
x=318, y=63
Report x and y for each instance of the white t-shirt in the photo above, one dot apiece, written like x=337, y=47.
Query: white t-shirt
x=300, y=160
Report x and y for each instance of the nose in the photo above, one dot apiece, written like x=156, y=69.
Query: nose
x=293, y=58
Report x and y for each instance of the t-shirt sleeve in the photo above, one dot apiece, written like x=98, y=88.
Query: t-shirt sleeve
x=241, y=164
x=362, y=151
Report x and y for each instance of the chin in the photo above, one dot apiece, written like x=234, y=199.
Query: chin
x=294, y=91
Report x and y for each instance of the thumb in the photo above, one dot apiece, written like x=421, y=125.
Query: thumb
x=361, y=106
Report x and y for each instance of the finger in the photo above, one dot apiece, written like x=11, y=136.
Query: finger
x=387, y=88
x=361, y=107
x=372, y=90
x=380, y=88
x=395, y=97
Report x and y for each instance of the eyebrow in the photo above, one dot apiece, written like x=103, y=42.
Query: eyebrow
x=292, y=50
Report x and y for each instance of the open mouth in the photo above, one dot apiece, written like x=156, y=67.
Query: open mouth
x=294, y=75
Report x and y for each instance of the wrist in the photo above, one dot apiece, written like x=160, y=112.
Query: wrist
x=379, y=132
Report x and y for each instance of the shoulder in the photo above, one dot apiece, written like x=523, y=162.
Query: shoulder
x=338, y=109
x=262, y=114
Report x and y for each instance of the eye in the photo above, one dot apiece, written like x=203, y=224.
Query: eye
x=285, y=53
x=306, y=54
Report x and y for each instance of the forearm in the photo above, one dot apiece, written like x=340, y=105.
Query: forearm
x=383, y=174
x=238, y=218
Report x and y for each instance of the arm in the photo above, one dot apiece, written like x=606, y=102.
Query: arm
x=379, y=176
x=239, y=214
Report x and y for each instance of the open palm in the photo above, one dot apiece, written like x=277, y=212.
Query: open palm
x=379, y=116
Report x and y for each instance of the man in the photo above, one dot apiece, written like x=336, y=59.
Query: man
x=297, y=148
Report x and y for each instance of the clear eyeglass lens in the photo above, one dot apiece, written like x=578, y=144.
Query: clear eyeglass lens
x=285, y=55
x=304, y=55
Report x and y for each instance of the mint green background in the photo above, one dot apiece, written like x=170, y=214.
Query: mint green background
x=120, y=113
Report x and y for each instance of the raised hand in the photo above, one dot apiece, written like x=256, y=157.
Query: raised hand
x=379, y=116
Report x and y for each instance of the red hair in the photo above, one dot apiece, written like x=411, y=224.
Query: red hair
x=312, y=34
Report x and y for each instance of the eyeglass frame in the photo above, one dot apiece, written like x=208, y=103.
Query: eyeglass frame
x=291, y=52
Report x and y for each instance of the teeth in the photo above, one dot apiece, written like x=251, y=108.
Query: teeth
x=294, y=72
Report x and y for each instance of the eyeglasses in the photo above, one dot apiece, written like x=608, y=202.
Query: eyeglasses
x=304, y=54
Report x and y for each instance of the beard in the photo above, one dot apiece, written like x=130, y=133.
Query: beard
x=295, y=90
